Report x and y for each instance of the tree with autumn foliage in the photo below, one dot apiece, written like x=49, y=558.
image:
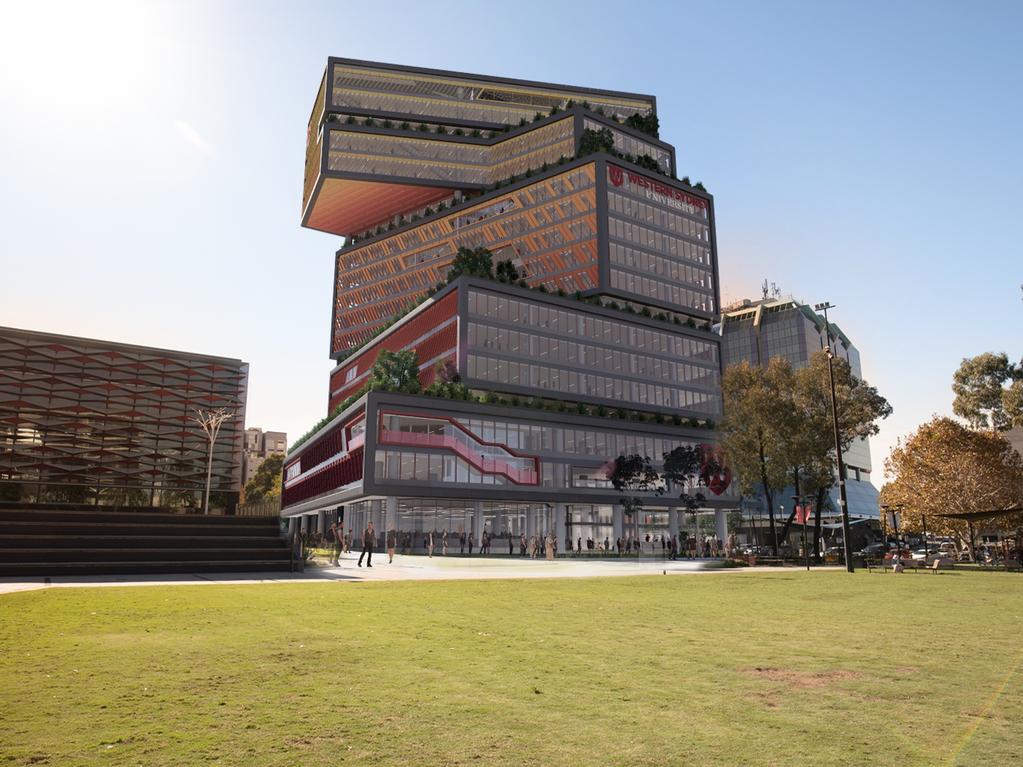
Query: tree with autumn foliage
x=944, y=467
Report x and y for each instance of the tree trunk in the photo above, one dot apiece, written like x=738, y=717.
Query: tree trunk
x=770, y=497
x=792, y=514
x=821, y=494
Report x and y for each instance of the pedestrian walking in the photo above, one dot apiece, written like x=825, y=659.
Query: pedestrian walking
x=392, y=541
x=369, y=538
x=335, y=544
x=444, y=541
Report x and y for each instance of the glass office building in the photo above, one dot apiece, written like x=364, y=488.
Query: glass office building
x=606, y=335
x=757, y=331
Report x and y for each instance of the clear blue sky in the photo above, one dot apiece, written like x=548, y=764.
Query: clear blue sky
x=866, y=153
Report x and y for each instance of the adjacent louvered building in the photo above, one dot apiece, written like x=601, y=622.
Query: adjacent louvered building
x=84, y=421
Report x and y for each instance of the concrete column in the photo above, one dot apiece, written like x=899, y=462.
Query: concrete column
x=321, y=522
x=560, y=510
x=391, y=513
x=721, y=525
x=477, y=523
x=303, y=524
x=293, y=523
x=618, y=521
x=673, y=522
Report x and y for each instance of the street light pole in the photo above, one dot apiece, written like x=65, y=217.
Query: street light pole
x=210, y=421
x=842, y=500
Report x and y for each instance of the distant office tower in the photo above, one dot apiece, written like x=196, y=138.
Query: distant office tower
x=259, y=445
x=756, y=331
x=600, y=345
x=96, y=422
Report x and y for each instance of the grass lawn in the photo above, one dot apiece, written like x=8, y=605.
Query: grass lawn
x=738, y=668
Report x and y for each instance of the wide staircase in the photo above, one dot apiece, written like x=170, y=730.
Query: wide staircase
x=59, y=541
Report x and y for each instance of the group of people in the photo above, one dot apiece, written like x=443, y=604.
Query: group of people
x=671, y=547
x=538, y=545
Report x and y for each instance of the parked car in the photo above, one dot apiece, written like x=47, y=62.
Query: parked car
x=872, y=551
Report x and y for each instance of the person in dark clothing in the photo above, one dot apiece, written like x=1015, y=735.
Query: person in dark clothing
x=469, y=541
x=369, y=538
x=461, y=543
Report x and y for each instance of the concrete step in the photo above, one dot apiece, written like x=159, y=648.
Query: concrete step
x=14, y=556
x=133, y=528
x=168, y=540
x=141, y=568
x=60, y=516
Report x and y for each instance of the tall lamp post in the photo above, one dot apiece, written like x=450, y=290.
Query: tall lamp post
x=210, y=421
x=842, y=500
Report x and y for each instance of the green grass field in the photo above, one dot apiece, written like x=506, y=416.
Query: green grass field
x=732, y=669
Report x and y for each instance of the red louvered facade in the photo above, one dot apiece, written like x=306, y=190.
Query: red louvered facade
x=87, y=421
x=432, y=332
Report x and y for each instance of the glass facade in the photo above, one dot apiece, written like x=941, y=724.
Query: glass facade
x=553, y=350
x=659, y=242
x=449, y=161
x=626, y=143
x=497, y=451
x=364, y=87
x=547, y=228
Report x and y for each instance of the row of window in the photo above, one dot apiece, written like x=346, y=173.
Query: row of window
x=628, y=144
x=661, y=291
x=433, y=231
x=464, y=100
x=595, y=444
x=546, y=378
x=568, y=323
x=563, y=352
x=664, y=267
x=687, y=219
x=659, y=242
x=431, y=163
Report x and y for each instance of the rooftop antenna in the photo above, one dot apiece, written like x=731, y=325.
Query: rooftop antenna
x=775, y=290
x=763, y=287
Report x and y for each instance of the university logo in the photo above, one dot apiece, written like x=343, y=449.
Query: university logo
x=616, y=175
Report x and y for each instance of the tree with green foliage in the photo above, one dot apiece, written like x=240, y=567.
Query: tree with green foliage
x=472, y=262
x=757, y=429
x=395, y=372
x=680, y=472
x=989, y=392
x=860, y=407
x=506, y=271
x=648, y=124
x=592, y=141
x=265, y=484
x=447, y=383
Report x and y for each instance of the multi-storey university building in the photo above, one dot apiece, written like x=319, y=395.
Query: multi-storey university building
x=756, y=331
x=260, y=445
x=95, y=422
x=612, y=315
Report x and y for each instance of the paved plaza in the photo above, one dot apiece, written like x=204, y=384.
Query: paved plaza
x=404, y=568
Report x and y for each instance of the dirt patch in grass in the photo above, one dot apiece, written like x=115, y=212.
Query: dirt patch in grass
x=801, y=680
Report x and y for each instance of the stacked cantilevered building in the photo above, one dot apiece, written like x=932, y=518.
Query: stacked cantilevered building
x=598, y=343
